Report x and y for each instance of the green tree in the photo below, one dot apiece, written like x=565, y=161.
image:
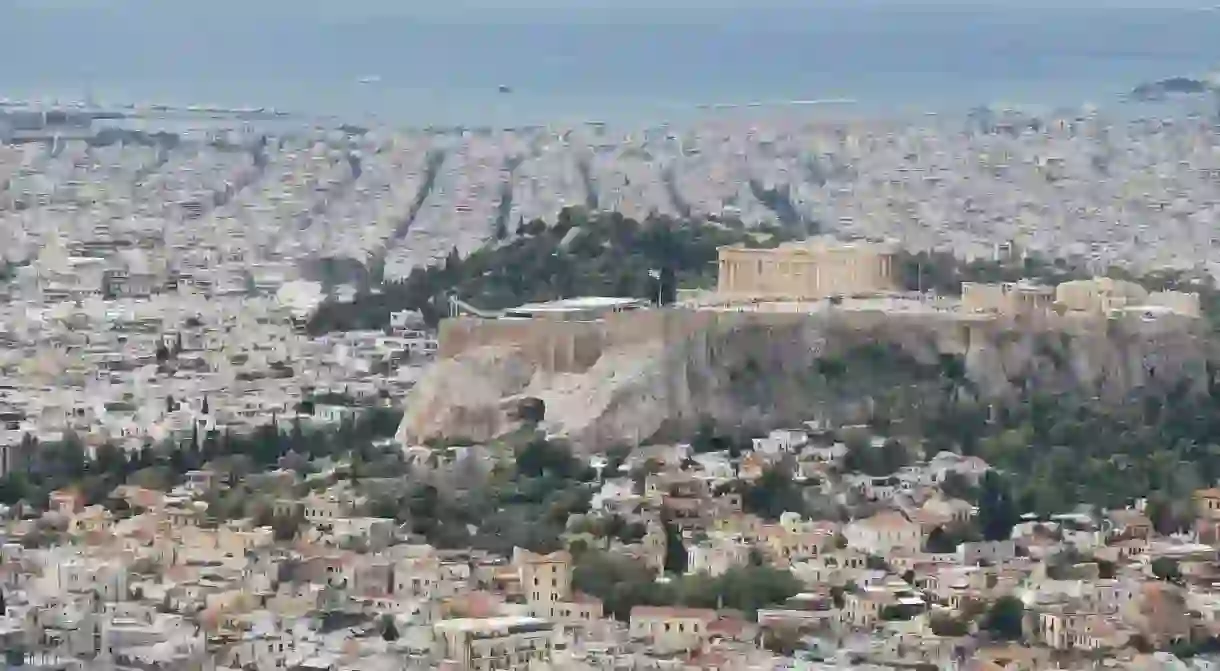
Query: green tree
x=286, y=527
x=940, y=541
x=531, y=410
x=577, y=547
x=773, y=493
x=423, y=507
x=389, y=630
x=110, y=459
x=944, y=625
x=748, y=588
x=610, y=254
x=876, y=563
x=838, y=596
x=1005, y=618
x=675, y=550
x=862, y=457
x=1166, y=568
x=958, y=486
x=997, y=512
x=894, y=456
x=621, y=583
x=541, y=457
x=1169, y=515
x=783, y=641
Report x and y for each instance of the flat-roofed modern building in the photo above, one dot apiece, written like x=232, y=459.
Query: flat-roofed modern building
x=575, y=309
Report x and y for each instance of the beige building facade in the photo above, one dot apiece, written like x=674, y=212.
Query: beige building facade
x=671, y=629
x=1181, y=302
x=808, y=270
x=717, y=554
x=1103, y=295
x=545, y=578
x=884, y=533
x=1099, y=295
x=487, y=644
x=1007, y=298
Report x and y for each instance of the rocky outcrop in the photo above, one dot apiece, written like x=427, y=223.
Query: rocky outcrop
x=1105, y=357
x=464, y=398
x=770, y=370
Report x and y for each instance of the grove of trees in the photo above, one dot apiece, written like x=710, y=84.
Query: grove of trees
x=622, y=583
x=610, y=255
x=46, y=467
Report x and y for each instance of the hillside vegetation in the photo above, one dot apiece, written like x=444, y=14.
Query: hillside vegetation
x=1059, y=449
x=603, y=254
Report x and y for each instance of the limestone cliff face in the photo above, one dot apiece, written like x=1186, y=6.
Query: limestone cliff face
x=462, y=397
x=1108, y=358
x=763, y=370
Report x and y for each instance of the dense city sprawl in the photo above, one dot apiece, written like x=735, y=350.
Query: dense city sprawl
x=212, y=341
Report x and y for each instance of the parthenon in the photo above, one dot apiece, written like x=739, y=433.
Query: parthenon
x=810, y=269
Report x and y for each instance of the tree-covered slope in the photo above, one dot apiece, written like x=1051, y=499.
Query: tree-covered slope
x=581, y=255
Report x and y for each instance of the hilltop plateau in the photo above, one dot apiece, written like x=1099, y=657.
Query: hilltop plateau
x=762, y=371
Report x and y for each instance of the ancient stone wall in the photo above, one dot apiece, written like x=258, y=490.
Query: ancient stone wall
x=557, y=345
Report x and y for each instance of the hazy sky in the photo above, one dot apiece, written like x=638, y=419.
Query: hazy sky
x=472, y=8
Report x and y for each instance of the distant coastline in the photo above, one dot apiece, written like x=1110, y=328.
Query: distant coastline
x=139, y=110
x=630, y=73
x=1164, y=88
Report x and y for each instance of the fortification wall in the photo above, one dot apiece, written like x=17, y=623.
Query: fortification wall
x=569, y=346
x=554, y=344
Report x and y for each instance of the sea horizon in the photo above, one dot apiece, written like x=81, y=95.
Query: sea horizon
x=638, y=69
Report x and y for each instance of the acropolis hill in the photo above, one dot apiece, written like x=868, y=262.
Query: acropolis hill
x=616, y=370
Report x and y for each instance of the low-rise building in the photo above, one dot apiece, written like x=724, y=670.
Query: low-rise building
x=883, y=533
x=671, y=629
x=507, y=643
